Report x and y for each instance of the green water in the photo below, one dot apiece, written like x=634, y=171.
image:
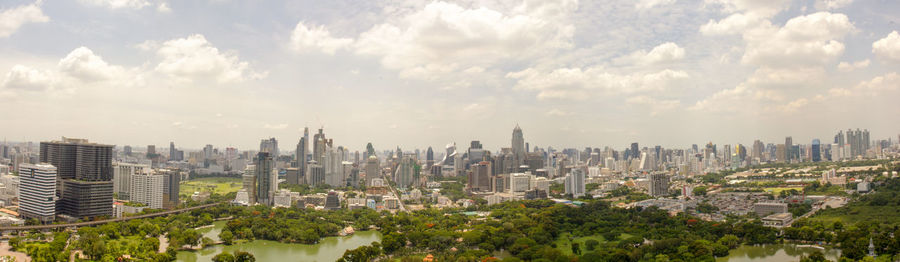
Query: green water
x=328, y=249
x=782, y=252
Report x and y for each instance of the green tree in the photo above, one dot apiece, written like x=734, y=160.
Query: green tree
x=226, y=236
x=591, y=244
x=241, y=256
x=576, y=248
x=223, y=257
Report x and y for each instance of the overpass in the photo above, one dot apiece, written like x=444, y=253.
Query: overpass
x=100, y=222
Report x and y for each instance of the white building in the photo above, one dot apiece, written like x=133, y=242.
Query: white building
x=282, y=198
x=122, y=173
x=575, y=183
x=541, y=183
x=37, y=191
x=148, y=189
x=9, y=189
x=519, y=183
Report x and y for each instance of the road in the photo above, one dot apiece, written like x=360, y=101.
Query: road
x=100, y=222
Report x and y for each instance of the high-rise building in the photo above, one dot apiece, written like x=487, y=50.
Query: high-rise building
x=780, y=154
x=269, y=146
x=37, y=192
x=816, y=150
x=248, y=180
x=302, y=151
x=84, y=176
x=659, y=184
x=171, y=187
x=635, y=151
x=406, y=174
x=479, y=179
x=122, y=173
x=373, y=170
x=148, y=189
x=575, y=183
x=518, y=147
x=127, y=150
x=315, y=173
x=788, y=149
x=151, y=150
x=319, y=142
x=266, y=179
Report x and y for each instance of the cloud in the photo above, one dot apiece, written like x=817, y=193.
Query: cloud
x=161, y=6
x=23, y=77
x=803, y=40
x=734, y=24
x=275, y=126
x=193, y=57
x=579, y=84
x=765, y=8
x=655, y=106
x=832, y=4
x=445, y=38
x=12, y=19
x=875, y=87
x=84, y=65
x=888, y=47
x=663, y=53
x=847, y=67
x=305, y=39
x=793, y=106
x=558, y=112
x=647, y=4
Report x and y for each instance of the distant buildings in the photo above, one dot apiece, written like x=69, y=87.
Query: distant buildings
x=148, y=189
x=122, y=173
x=763, y=209
x=659, y=184
x=269, y=146
x=266, y=179
x=574, y=183
x=85, y=175
x=479, y=179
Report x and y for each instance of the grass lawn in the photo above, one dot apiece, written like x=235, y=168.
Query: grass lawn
x=218, y=185
x=564, y=245
x=852, y=214
x=777, y=190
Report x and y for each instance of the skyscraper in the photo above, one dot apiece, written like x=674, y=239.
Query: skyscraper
x=122, y=173
x=659, y=184
x=575, y=183
x=788, y=149
x=479, y=179
x=37, y=192
x=266, y=179
x=319, y=146
x=373, y=170
x=816, y=150
x=148, y=189
x=171, y=187
x=269, y=146
x=302, y=151
x=635, y=151
x=518, y=146
x=407, y=176
x=84, y=176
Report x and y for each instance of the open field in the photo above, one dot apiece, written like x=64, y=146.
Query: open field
x=777, y=190
x=218, y=185
x=564, y=245
x=851, y=214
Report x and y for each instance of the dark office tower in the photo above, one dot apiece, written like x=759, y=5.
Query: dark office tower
x=839, y=138
x=866, y=143
x=789, y=149
x=429, y=154
x=816, y=150
x=265, y=179
x=151, y=150
x=127, y=150
x=319, y=146
x=370, y=150
x=479, y=179
x=171, y=186
x=518, y=146
x=527, y=147
x=302, y=151
x=85, y=172
x=475, y=144
x=172, y=154
x=635, y=151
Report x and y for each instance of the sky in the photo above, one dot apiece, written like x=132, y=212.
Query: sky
x=415, y=74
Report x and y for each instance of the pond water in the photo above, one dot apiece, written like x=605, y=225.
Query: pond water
x=776, y=252
x=328, y=249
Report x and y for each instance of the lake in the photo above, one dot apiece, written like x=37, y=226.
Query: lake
x=328, y=249
x=776, y=252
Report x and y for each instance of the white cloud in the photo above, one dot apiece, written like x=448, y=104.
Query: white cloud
x=888, y=47
x=193, y=57
x=765, y=8
x=445, y=38
x=847, y=67
x=575, y=83
x=832, y=4
x=793, y=106
x=305, y=39
x=804, y=40
x=163, y=8
x=655, y=106
x=12, y=19
x=84, y=65
x=875, y=87
x=647, y=4
x=734, y=24
x=23, y=77
x=558, y=112
x=275, y=126
x=117, y=4
x=663, y=53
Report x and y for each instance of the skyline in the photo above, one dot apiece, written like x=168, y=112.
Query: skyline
x=572, y=74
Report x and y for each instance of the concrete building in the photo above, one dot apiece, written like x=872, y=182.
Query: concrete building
x=148, y=189
x=519, y=183
x=37, y=192
x=171, y=187
x=266, y=178
x=763, y=209
x=84, y=176
x=659, y=185
x=479, y=179
x=574, y=183
x=122, y=173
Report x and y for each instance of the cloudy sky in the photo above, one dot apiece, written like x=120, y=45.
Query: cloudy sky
x=419, y=73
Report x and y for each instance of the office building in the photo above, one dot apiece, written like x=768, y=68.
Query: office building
x=171, y=187
x=37, y=192
x=248, y=184
x=574, y=183
x=266, y=178
x=269, y=146
x=122, y=173
x=301, y=160
x=148, y=189
x=659, y=184
x=315, y=173
x=518, y=147
x=763, y=209
x=406, y=173
x=84, y=176
x=479, y=179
